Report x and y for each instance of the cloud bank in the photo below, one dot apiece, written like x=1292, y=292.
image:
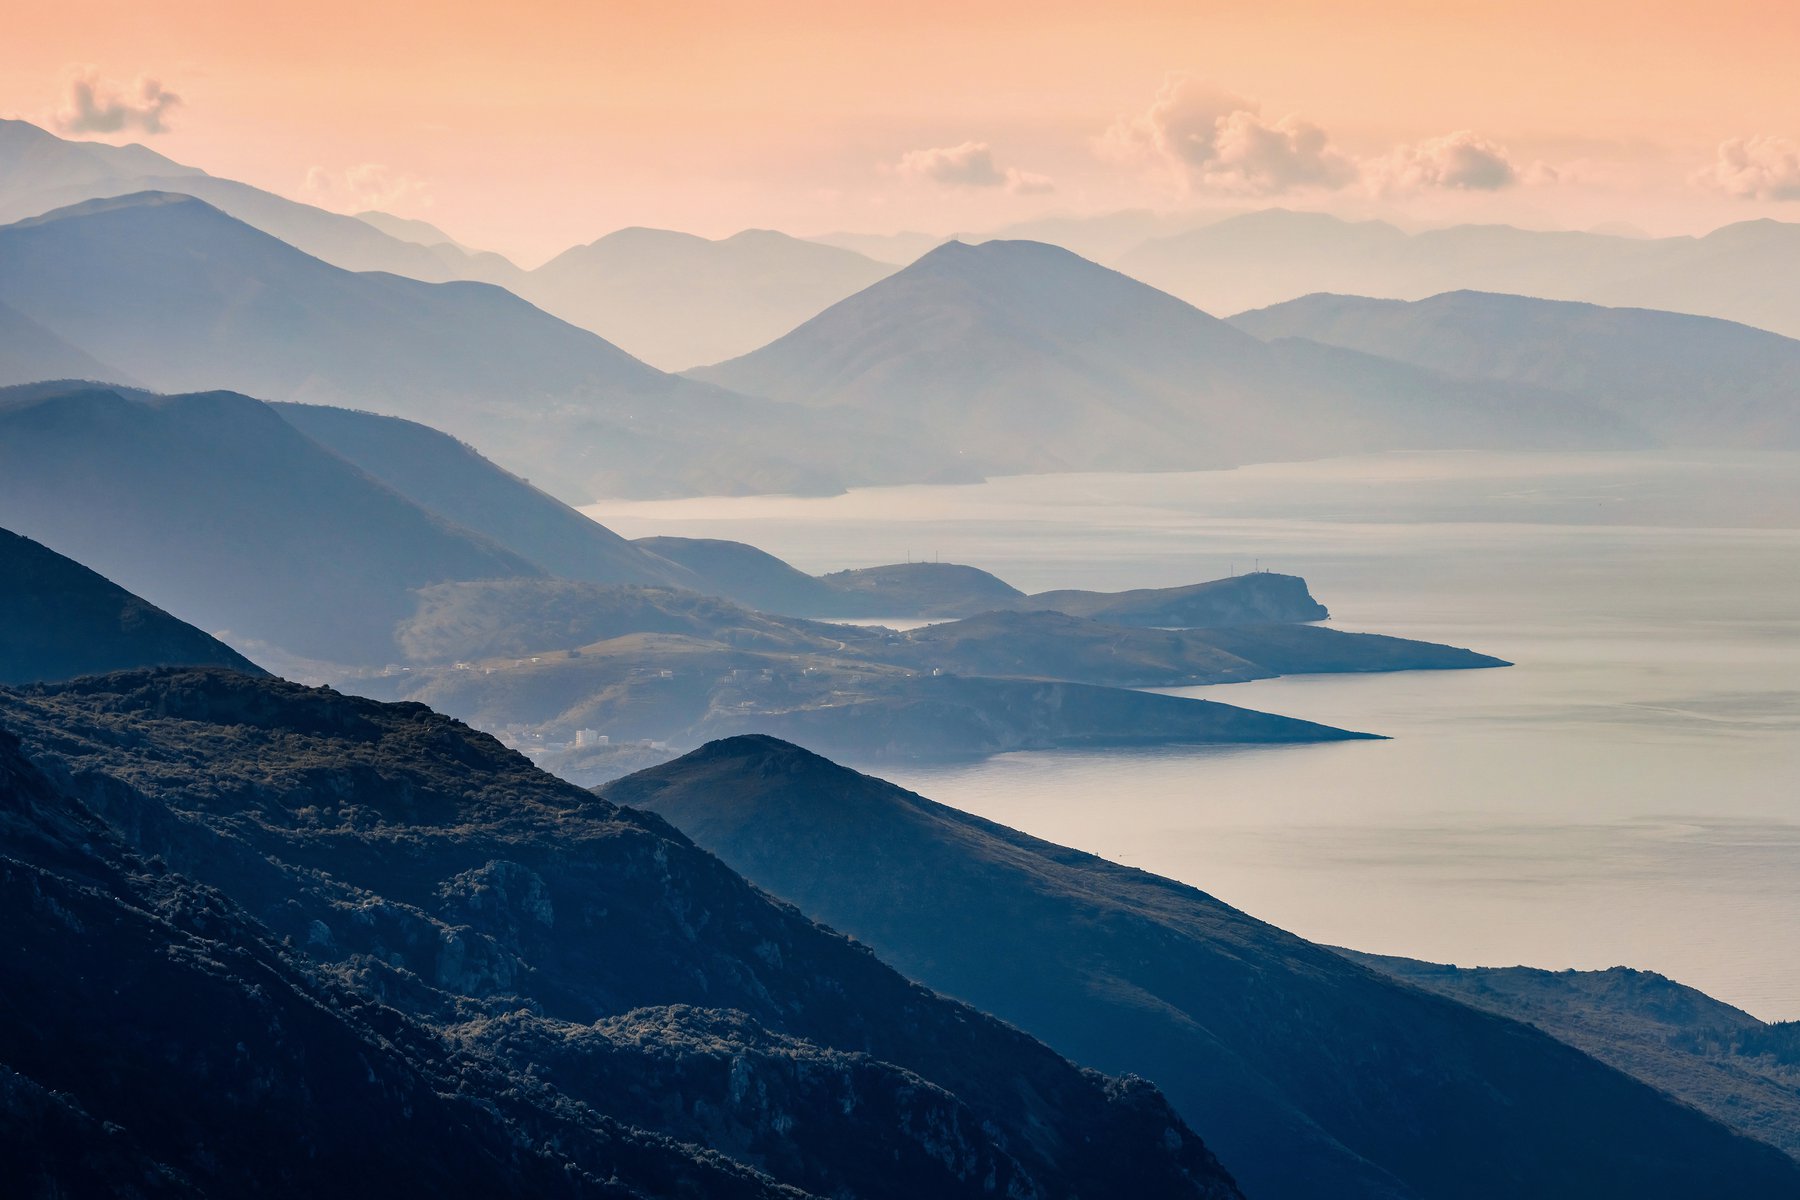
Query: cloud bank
x=1461, y=161
x=366, y=186
x=1756, y=168
x=969, y=165
x=96, y=105
x=1213, y=140
x=1217, y=141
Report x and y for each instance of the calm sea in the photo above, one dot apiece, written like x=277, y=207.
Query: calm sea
x=1629, y=792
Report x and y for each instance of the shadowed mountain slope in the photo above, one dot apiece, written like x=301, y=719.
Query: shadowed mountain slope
x=29, y=352
x=1312, y=1075
x=452, y=479
x=1720, y=1059
x=59, y=620
x=212, y=506
x=1692, y=381
x=599, y=989
x=1028, y=358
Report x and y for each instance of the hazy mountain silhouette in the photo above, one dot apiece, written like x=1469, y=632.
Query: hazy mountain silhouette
x=59, y=620
x=1718, y=1058
x=183, y=297
x=909, y=590
x=213, y=507
x=1740, y=272
x=676, y=300
x=1692, y=381
x=1310, y=1075
x=40, y=172
x=29, y=352
x=1027, y=358
x=363, y=948
x=453, y=480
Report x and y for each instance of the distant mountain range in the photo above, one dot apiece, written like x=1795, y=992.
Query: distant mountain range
x=1691, y=381
x=1742, y=272
x=397, y=562
x=1310, y=1074
x=1026, y=358
x=672, y=299
x=40, y=172
x=180, y=296
x=678, y=301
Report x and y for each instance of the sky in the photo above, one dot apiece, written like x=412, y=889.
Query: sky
x=530, y=127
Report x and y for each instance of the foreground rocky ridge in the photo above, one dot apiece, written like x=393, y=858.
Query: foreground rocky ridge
x=561, y=991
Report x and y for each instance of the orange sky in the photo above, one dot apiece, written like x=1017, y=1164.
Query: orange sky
x=532, y=127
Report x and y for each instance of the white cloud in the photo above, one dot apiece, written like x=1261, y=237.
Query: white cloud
x=1756, y=168
x=366, y=186
x=1460, y=161
x=970, y=165
x=96, y=105
x=1217, y=141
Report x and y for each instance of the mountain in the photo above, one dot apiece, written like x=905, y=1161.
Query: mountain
x=1310, y=1074
x=1738, y=273
x=29, y=352
x=184, y=297
x=212, y=507
x=1692, y=381
x=1735, y=1068
x=1027, y=358
x=897, y=591
x=452, y=479
x=40, y=172
x=676, y=300
x=360, y=948
x=747, y=574
x=59, y=620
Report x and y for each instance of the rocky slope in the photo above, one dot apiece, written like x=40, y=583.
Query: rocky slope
x=384, y=935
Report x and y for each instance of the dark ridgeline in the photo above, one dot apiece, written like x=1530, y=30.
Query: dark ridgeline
x=1691, y=381
x=59, y=620
x=1311, y=1075
x=264, y=939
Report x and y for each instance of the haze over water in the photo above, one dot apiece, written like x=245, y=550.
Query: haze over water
x=1626, y=794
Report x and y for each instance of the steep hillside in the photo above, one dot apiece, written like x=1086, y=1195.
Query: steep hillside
x=563, y=991
x=1720, y=1059
x=29, y=353
x=1311, y=1075
x=452, y=479
x=214, y=508
x=59, y=620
